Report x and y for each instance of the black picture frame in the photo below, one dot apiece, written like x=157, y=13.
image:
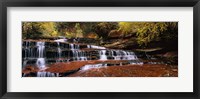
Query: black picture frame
x=99, y=3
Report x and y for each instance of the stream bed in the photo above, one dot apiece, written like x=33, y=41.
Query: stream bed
x=59, y=58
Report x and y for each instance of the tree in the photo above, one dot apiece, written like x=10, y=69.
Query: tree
x=48, y=29
x=70, y=29
x=103, y=28
x=31, y=30
x=87, y=27
x=147, y=32
x=79, y=31
x=65, y=28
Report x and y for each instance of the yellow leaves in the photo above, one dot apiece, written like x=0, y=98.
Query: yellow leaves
x=40, y=29
x=145, y=31
x=54, y=33
x=126, y=27
x=92, y=35
x=48, y=28
x=68, y=34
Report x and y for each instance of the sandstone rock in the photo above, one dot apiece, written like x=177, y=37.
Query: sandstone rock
x=92, y=35
x=171, y=54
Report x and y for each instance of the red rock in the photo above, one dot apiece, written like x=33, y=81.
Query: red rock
x=171, y=54
x=29, y=69
x=147, y=70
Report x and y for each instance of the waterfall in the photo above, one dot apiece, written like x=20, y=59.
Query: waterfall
x=40, y=50
x=72, y=46
x=79, y=55
x=40, y=62
x=103, y=55
x=117, y=55
x=88, y=46
x=59, y=50
x=43, y=52
x=123, y=55
x=62, y=39
x=86, y=67
x=47, y=74
x=28, y=50
x=97, y=47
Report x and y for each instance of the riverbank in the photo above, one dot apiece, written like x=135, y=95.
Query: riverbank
x=146, y=70
x=111, y=69
x=53, y=58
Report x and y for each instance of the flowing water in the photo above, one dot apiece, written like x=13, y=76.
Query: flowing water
x=102, y=55
x=41, y=53
x=86, y=67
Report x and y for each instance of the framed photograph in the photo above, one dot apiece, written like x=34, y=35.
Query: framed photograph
x=89, y=49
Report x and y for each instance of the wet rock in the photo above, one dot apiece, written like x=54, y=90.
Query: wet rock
x=115, y=34
x=92, y=35
x=129, y=71
x=171, y=54
x=30, y=69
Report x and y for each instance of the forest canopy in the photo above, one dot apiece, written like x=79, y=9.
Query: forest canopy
x=144, y=32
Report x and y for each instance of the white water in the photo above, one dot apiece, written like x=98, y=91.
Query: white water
x=97, y=47
x=59, y=50
x=40, y=49
x=47, y=74
x=86, y=67
x=119, y=54
x=76, y=54
x=41, y=62
x=123, y=55
x=62, y=39
x=88, y=46
x=103, y=55
x=72, y=46
x=79, y=55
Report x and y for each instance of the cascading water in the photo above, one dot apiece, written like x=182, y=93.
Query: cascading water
x=41, y=63
x=86, y=67
x=61, y=39
x=41, y=53
x=97, y=47
x=47, y=74
x=41, y=60
x=88, y=46
x=72, y=46
x=103, y=55
x=79, y=55
x=40, y=50
x=123, y=55
x=59, y=50
x=29, y=51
